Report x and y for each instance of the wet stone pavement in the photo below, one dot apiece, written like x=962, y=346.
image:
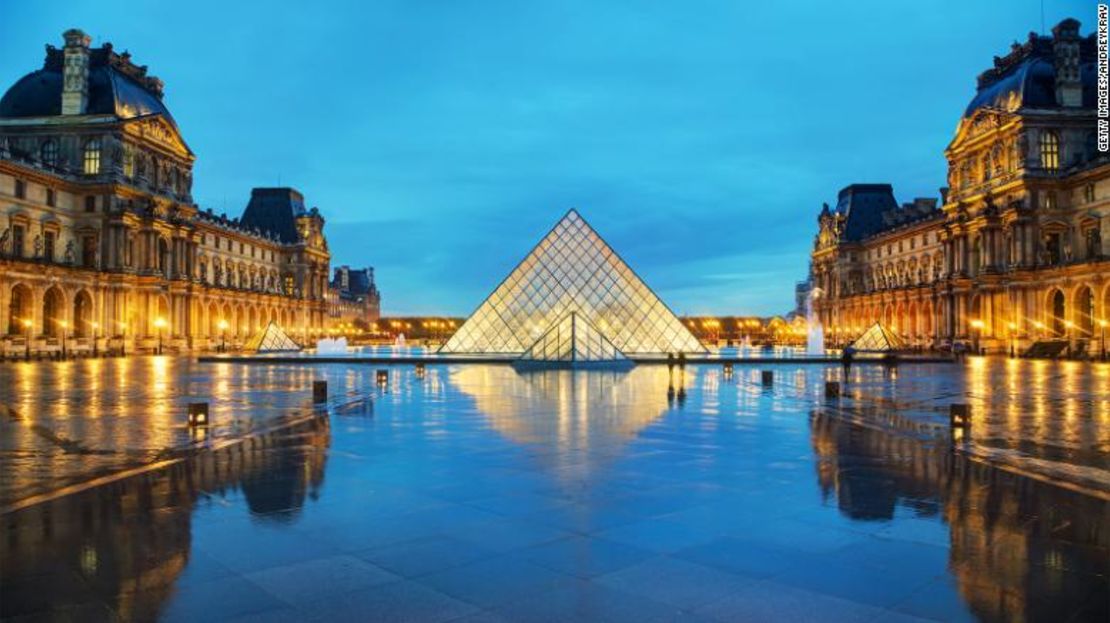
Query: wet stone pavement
x=476, y=493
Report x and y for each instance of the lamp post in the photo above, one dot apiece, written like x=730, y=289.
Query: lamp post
x=122, y=339
x=64, y=325
x=1013, y=338
x=1102, y=338
x=95, y=326
x=159, y=323
x=977, y=325
x=223, y=335
x=28, y=324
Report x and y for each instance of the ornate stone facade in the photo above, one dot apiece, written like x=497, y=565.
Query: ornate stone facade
x=1016, y=253
x=101, y=244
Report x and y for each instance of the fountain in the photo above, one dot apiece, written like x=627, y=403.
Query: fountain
x=331, y=346
x=815, y=333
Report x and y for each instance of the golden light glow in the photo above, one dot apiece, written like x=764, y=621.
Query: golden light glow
x=26, y=322
x=222, y=325
x=977, y=324
x=159, y=322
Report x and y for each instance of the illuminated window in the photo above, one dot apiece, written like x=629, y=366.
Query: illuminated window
x=1050, y=151
x=92, y=157
x=49, y=153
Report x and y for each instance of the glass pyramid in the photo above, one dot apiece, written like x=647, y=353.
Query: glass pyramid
x=572, y=270
x=572, y=340
x=272, y=339
x=878, y=338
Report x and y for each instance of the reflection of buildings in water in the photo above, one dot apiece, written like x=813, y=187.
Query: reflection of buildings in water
x=576, y=409
x=1020, y=549
x=130, y=540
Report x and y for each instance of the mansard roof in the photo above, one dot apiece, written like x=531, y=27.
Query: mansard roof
x=116, y=87
x=275, y=210
x=1026, y=77
x=862, y=206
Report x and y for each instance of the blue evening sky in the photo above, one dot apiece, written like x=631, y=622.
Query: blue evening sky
x=442, y=139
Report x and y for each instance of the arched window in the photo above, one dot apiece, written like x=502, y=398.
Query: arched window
x=1050, y=151
x=92, y=157
x=49, y=153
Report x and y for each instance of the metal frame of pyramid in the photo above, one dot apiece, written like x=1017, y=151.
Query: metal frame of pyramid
x=572, y=342
x=572, y=269
x=878, y=339
x=272, y=339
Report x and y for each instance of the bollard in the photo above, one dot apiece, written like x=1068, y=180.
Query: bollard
x=383, y=377
x=198, y=414
x=319, y=391
x=768, y=378
x=832, y=389
x=959, y=415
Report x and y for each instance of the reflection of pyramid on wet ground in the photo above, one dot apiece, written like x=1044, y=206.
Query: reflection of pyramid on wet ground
x=570, y=408
x=272, y=339
x=572, y=270
x=572, y=342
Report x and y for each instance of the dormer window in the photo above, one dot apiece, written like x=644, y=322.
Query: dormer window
x=92, y=157
x=49, y=153
x=1050, y=151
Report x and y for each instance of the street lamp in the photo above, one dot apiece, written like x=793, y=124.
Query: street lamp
x=159, y=323
x=122, y=338
x=27, y=324
x=978, y=326
x=95, y=326
x=223, y=335
x=64, y=325
x=1102, y=330
x=1013, y=337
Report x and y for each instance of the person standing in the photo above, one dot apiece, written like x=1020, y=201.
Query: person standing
x=846, y=357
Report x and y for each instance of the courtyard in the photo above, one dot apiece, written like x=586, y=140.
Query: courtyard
x=480, y=493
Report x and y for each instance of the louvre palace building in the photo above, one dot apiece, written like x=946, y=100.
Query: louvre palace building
x=101, y=244
x=1016, y=251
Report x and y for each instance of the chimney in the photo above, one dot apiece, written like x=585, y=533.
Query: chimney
x=75, y=87
x=1065, y=51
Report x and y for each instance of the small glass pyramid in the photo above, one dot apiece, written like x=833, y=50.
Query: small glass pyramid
x=878, y=338
x=272, y=339
x=573, y=270
x=572, y=340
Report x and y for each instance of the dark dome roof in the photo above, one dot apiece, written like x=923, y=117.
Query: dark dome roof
x=111, y=92
x=1026, y=77
x=1033, y=83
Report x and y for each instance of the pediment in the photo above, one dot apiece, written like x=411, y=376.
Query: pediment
x=158, y=130
x=982, y=121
